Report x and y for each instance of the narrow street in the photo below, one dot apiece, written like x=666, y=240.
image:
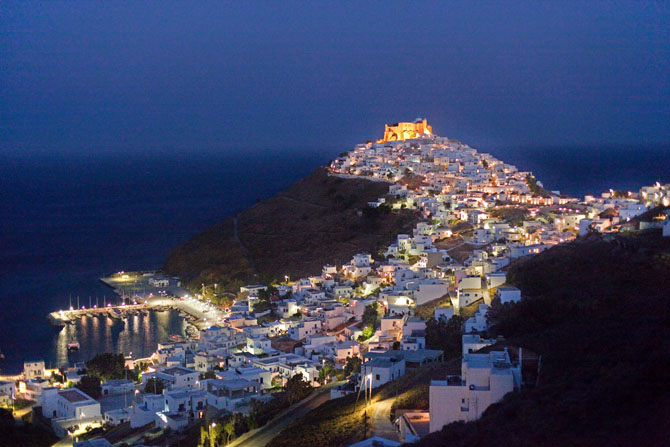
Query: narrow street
x=381, y=422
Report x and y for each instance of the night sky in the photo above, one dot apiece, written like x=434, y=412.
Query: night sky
x=114, y=76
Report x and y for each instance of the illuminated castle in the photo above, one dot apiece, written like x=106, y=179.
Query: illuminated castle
x=406, y=131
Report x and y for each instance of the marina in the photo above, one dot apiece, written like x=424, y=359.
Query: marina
x=142, y=293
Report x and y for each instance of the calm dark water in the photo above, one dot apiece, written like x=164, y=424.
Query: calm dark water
x=588, y=170
x=67, y=220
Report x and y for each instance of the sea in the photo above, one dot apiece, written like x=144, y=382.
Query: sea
x=68, y=219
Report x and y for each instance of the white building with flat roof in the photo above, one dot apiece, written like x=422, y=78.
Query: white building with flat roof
x=484, y=380
x=174, y=377
x=33, y=369
x=71, y=403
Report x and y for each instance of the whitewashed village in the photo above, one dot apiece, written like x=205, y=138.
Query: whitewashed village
x=352, y=328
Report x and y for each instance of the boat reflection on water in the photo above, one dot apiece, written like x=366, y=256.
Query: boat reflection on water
x=139, y=334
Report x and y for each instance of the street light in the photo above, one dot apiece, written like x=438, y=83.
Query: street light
x=210, y=428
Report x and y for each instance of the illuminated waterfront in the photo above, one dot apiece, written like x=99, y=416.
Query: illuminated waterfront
x=138, y=334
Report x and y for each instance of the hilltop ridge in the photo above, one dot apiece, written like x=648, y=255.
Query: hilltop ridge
x=316, y=221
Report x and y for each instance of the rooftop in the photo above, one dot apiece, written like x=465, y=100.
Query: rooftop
x=74, y=395
x=177, y=371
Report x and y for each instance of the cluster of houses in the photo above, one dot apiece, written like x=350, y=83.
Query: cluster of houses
x=498, y=212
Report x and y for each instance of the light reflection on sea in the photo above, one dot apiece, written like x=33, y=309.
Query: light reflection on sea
x=139, y=334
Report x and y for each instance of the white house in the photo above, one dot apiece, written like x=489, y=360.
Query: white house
x=33, y=369
x=71, y=403
x=231, y=395
x=470, y=289
x=381, y=368
x=145, y=411
x=306, y=327
x=258, y=345
x=174, y=377
x=477, y=323
x=7, y=392
x=288, y=308
x=173, y=421
x=32, y=389
x=119, y=386
x=119, y=416
x=484, y=380
x=508, y=294
x=159, y=282
x=430, y=289
x=185, y=400
x=250, y=373
x=473, y=342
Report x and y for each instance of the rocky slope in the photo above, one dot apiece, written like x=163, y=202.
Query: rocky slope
x=318, y=220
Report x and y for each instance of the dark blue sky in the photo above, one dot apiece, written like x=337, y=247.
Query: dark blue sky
x=108, y=76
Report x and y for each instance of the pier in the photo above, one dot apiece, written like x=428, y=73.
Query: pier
x=199, y=314
x=62, y=317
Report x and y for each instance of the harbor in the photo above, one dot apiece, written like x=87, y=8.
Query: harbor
x=198, y=315
x=140, y=293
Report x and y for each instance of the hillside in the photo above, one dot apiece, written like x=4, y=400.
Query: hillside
x=597, y=311
x=313, y=222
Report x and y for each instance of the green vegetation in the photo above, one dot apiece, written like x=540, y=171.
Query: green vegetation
x=329, y=371
x=231, y=426
x=413, y=388
x=211, y=374
x=107, y=366
x=90, y=385
x=225, y=429
x=511, y=214
x=340, y=422
x=536, y=189
x=596, y=311
x=445, y=335
x=335, y=423
x=427, y=310
x=370, y=320
x=154, y=386
x=352, y=366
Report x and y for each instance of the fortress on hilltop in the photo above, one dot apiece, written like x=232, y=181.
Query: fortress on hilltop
x=406, y=131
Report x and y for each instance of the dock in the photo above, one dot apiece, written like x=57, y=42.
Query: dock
x=196, y=313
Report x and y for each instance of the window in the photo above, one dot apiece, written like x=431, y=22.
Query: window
x=377, y=378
